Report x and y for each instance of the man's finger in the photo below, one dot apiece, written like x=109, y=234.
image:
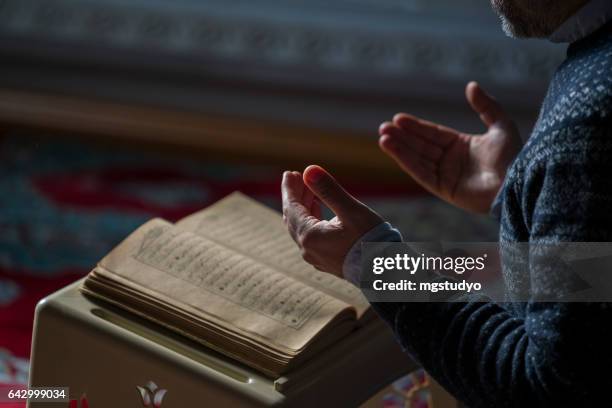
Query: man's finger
x=307, y=198
x=420, y=146
x=423, y=171
x=431, y=132
x=291, y=187
x=485, y=105
x=330, y=192
x=295, y=213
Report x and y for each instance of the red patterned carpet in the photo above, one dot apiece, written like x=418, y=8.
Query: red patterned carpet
x=66, y=205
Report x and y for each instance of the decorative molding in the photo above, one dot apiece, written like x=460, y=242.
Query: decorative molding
x=342, y=64
x=198, y=33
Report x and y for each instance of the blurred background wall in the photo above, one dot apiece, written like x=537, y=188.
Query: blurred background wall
x=289, y=80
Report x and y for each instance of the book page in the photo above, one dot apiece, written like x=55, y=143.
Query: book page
x=249, y=227
x=214, y=283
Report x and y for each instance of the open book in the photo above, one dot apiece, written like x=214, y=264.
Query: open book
x=230, y=277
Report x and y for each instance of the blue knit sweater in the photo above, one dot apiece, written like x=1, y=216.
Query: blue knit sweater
x=558, y=189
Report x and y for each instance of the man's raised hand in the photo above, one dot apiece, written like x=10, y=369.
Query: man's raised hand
x=324, y=243
x=464, y=169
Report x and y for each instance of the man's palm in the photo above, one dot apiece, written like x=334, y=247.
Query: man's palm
x=465, y=170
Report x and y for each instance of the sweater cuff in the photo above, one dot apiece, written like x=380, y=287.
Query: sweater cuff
x=383, y=232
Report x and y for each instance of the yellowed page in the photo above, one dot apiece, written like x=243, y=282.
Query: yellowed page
x=247, y=226
x=224, y=287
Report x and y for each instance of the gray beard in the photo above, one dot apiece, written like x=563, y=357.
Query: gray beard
x=512, y=30
x=507, y=27
x=517, y=25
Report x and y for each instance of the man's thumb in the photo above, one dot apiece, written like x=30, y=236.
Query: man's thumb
x=330, y=192
x=485, y=105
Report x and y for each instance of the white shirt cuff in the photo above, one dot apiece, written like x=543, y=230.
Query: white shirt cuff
x=383, y=232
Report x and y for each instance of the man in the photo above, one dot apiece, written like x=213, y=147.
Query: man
x=556, y=188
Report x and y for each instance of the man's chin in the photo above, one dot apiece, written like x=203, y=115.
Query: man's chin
x=521, y=29
x=512, y=30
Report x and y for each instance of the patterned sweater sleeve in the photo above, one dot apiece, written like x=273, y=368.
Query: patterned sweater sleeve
x=551, y=354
